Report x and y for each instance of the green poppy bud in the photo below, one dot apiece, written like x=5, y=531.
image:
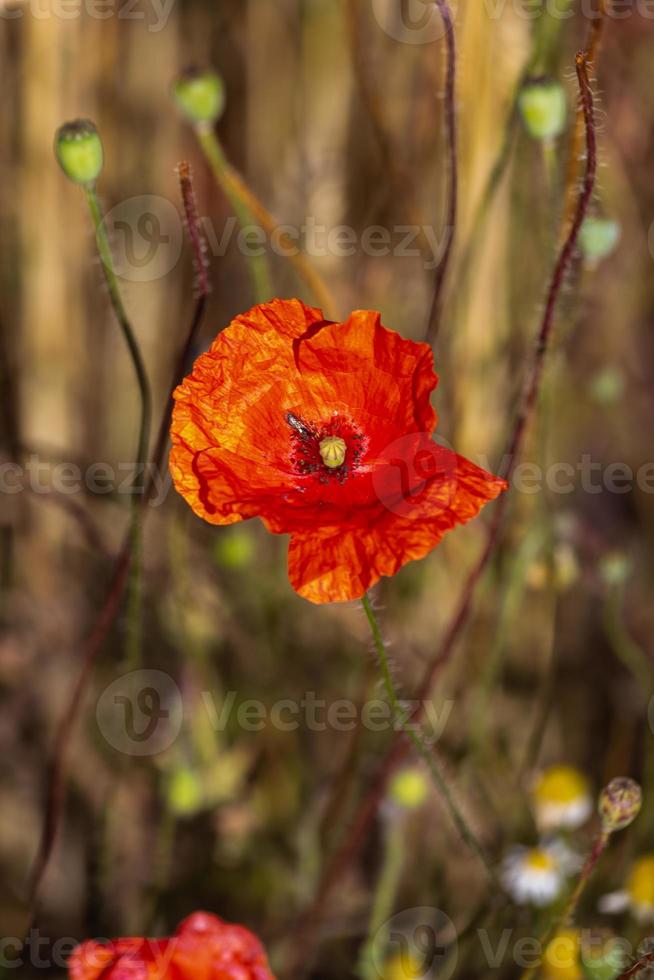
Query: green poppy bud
x=78, y=149
x=598, y=238
x=543, y=108
x=200, y=95
x=619, y=804
x=408, y=789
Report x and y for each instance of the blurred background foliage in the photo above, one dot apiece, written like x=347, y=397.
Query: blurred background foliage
x=330, y=119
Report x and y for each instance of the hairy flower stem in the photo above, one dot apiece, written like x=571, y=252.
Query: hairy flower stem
x=418, y=741
x=249, y=209
x=434, y=321
x=567, y=916
x=134, y=586
x=577, y=139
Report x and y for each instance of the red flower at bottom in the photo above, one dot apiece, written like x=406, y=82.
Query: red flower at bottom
x=203, y=948
x=324, y=431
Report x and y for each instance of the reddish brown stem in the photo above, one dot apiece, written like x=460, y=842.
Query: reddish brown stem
x=641, y=964
x=434, y=321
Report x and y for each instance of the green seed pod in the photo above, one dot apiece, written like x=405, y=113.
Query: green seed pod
x=408, y=789
x=598, y=238
x=200, y=95
x=619, y=804
x=78, y=149
x=543, y=108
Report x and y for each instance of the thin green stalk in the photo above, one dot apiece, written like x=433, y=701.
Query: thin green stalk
x=421, y=745
x=134, y=600
x=384, y=897
x=222, y=171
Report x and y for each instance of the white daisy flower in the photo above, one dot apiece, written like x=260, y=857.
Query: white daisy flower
x=561, y=798
x=533, y=876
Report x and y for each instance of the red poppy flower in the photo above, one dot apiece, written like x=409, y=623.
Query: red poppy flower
x=203, y=948
x=324, y=431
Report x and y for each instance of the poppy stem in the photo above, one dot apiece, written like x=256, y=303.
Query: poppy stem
x=417, y=738
x=434, y=321
x=249, y=209
x=222, y=171
x=134, y=586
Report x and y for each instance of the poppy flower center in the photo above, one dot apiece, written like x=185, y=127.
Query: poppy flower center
x=332, y=449
x=325, y=450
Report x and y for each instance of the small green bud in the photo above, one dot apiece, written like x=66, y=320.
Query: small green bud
x=235, y=548
x=185, y=794
x=408, y=789
x=78, y=149
x=598, y=238
x=543, y=107
x=607, y=386
x=619, y=804
x=200, y=95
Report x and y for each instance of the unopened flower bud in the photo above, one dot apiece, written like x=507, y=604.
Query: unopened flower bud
x=200, y=95
x=598, y=238
x=619, y=804
x=78, y=149
x=408, y=789
x=543, y=108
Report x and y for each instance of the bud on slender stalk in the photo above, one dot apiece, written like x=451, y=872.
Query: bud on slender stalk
x=78, y=149
x=543, y=108
x=619, y=804
x=200, y=95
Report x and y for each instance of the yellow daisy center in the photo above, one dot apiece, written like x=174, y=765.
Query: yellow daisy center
x=640, y=884
x=538, y=860
x=561, y=784
x=332, y=450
